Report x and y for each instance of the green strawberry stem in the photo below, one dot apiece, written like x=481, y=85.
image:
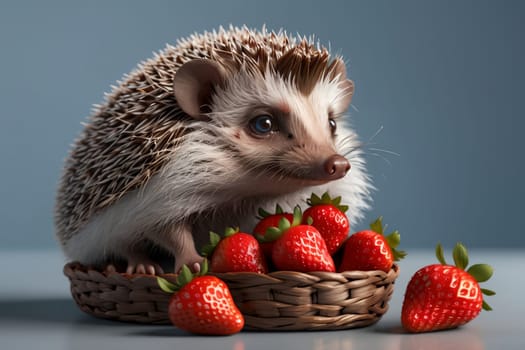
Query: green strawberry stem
x=393, y=239
x=460, y=255
x=185, y=276
x=166, y=286
x=439, y=255
x=263, y=213
x=377, y=225
x=480, y=272
x=487, y=291
x=208, y=249
x=326, y=199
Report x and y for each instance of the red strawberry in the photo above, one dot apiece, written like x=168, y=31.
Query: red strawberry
x=236, y=252
x=202, y=304
x=327, y=215
x=298, y=247
x=442, y=296
x=370, y=250
x=268, y=220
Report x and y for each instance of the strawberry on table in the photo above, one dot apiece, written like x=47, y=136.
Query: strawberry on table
x=369, y=250
x=202, y=304
x=235, y=252
x=298, y=247
x=442, y=296
x=268, y=220
x=327, y=215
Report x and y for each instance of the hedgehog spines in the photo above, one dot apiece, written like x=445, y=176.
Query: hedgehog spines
x=131, y=136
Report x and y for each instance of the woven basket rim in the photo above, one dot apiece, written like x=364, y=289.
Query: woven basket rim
x=77, y=266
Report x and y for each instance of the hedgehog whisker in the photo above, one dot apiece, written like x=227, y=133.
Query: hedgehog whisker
x=378, y=131
x=384, y=151
x=382, y=157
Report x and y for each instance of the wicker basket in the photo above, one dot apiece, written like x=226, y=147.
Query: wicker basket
x=282, y=300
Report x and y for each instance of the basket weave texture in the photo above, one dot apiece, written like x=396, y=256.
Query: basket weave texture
x=282, y=300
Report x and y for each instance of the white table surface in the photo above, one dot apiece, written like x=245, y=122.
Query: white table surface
x=37, y=312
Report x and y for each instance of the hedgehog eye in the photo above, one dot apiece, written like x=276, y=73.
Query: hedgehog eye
x=262, y=125
x=333, y=125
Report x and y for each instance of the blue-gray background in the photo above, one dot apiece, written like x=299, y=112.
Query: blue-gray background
x=442, y=81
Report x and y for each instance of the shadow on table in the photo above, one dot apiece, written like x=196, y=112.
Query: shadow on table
x=388, y=327
x=465, y=338
x=45, y=310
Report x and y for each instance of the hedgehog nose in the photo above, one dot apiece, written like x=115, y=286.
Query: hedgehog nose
x=336, y=166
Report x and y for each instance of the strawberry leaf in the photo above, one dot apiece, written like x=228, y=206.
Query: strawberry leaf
x=343, y=208
x=272, y=233
x=204, y=268
x=230, y=231
x=393, y=239
x=313, y=200
x=284, y=224
x=166, y=286
x=297, y=217
x=215, y=238
x=263, y=213
x=460, y=255
x=377, y=225
x=481, y=272
x=309, y=220
x=439, y=254
x=208, y=249
x=486, y=306
x=185, y=276
x=398, y=254
x=488, y=292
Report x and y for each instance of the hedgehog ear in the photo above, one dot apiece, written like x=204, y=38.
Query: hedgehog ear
x=338, y=71
x=193, y=86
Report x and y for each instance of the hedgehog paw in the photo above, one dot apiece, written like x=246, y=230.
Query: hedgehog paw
x=143, y=266
x=110, y=268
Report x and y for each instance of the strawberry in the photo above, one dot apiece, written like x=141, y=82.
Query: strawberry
x=298, y=247
x=370, y=250
x=442, y=296
x=202, y=304
x=236, y=252
x=328, y=217
x=268, y=220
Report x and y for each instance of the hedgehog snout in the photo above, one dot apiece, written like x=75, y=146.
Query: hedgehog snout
x=336, y=167
x=332, y=168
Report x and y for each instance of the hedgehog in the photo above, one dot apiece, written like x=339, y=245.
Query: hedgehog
x=198, y=138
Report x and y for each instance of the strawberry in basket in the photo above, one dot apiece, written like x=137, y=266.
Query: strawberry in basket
x=235, y=252
x=327, y=215
x=202, y=304
x=443, y=296
x=298, y=247
x=369, y=250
